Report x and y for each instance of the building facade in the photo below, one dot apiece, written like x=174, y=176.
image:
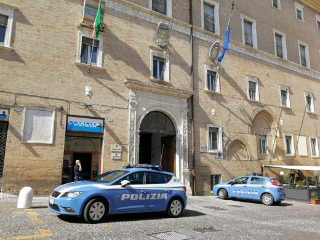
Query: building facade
x=152, y=94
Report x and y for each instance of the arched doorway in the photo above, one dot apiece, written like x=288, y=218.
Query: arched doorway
x=158, y=141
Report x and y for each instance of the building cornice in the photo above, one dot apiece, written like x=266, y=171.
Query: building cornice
x=157, y=88
x=315, y=4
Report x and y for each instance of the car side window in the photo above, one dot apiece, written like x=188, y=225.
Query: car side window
x=134, y=178
x=256, y=180
x=241, y=180
x=157, y=178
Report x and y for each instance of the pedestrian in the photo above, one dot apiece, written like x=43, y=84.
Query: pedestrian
x=78, y=171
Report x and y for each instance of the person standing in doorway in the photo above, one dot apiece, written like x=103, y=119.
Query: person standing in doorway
x=78, y=171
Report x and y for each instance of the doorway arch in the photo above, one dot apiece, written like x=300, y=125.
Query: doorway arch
x=157, y=141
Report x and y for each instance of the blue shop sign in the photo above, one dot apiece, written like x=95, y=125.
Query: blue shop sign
x=4, y=114
x=82, y=124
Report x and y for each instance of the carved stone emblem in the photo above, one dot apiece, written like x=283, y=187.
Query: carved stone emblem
x=162, y=35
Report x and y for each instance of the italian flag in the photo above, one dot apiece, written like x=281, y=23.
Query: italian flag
x=97, y=23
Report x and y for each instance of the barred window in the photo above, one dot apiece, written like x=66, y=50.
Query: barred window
x=252, y=90
x=160, y=6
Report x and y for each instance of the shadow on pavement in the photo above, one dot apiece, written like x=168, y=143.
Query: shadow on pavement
x=132, y=217
x=258, y=202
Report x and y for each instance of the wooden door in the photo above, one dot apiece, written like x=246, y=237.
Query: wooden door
x=168, y=161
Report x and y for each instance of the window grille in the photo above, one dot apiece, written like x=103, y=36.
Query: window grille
x=160, y=6
x=252, y=90
x=209, y=23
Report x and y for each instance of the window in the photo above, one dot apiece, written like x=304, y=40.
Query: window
x=241, y=180
x=309, y=102
x=161, y=6
x=299, y=11
x=159, y=65
x=214, y=138
x=6, y=20
x=157, y=178
x=275, y=3
x=88, y=52
x=87, y=48
x=158, y=68
x=263, y=144
x=304, y=54
x=249, y=32
x=318, y=21
x=314, y=147
x=38, y=126
x=289, y=144
x=253, y=88
x=210, y=16
x=257, y=180
x=280, y=47
x=284, y=97
x=212, y=79
x=135, y=178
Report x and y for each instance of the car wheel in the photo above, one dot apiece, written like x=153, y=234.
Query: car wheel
x=175, y=208
x=267, y=199
x=222, y=194
x=95, y=210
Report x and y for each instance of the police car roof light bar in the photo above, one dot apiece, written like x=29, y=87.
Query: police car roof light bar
x=148, y=166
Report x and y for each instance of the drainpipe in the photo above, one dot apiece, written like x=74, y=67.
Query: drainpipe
x=193, y=171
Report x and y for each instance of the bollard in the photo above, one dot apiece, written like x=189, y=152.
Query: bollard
x=25, y=197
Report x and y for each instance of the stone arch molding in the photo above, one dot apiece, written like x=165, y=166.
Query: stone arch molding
x=267, y=114
x=243, y=142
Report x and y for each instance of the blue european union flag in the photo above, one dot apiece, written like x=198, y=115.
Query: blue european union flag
x=225, y=44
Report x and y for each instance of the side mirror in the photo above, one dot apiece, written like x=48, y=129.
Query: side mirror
x=124, y=183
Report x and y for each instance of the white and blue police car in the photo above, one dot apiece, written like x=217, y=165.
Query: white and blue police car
x=264, y=189
x=133, y=189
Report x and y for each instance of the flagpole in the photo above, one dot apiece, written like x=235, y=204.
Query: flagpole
x=94, y=36
x=232, y=6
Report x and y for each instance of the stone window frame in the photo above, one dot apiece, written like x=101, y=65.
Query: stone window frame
x=169, y=8
x=87, y=34
x=219, y=149
x=298, y=6
x=312, y=107
x=278, y=3
x=9, y=12
x=281, y=87
x=317, y=147
x=292, y=144
x=250, y=78
x=216, y=15
x=284, y=43
x=166, y=56
x=211, y=69
x=300, y=43
x=254, y=30
x=260, y=152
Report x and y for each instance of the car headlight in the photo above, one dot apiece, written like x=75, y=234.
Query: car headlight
x=72, y=195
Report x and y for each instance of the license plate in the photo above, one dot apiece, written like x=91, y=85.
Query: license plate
x=51, y=200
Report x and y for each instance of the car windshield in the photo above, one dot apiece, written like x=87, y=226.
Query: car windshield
x=109, y=176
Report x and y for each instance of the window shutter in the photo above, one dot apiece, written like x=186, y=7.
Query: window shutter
x=209, y=18
x=3, y=20
x=90, y=12
x=89, y=41
x=248, y=33
x=160, y=6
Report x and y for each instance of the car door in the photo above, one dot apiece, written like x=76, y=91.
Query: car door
x=256, y=187
x=238, y=187
x=132, y=197
x=158, y=190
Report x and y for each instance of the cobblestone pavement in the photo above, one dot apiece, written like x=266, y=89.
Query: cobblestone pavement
x=204, y=218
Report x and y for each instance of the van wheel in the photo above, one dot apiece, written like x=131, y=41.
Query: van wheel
x=95, y=210
x=267, y=199
x=222, y=194
x=175, y=208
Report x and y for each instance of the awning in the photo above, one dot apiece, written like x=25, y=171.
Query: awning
x=294, y=167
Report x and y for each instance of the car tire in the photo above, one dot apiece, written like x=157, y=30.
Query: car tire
x=222, y=194
x=95, y=210
x=175, y=208
x=267, y=199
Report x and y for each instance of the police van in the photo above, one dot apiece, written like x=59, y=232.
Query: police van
x=133, y=189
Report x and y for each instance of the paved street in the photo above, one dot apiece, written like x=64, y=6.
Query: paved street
x=204, y=218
